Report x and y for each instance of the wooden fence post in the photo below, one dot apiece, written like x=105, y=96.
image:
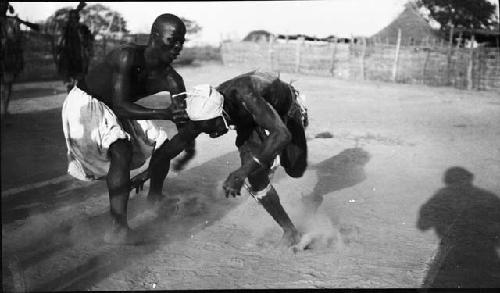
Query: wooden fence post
x=448, y=58
x=425, y=42
x=460, y=39
x=470, y=65
x=479, y=66
x=297, y=54
x=363, y=53
x=426, y=60
x=334, y=51
x=271, y=39
x=457, y=50
x=222, y=51
x=395, y=66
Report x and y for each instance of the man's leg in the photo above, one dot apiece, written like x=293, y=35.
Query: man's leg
x=158, y=170
x=118, y=181
x=262, y=190
x=189, y=153
x=5, y=95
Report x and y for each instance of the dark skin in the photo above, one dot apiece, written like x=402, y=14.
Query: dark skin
x=128, y=74
x=247, y=110
x=10, y=33
x=71, y=72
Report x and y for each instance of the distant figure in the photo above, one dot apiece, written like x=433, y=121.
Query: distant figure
x=12, y=60
x=108, y=134
x=74, y=49
x=467, y=220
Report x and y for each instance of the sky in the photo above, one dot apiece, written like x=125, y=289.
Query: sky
x=235, y=19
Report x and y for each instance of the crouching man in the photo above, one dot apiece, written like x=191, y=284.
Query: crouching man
x=108, y=134
x=270, y=122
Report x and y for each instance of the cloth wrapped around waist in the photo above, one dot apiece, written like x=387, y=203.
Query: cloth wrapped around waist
x=90, y=127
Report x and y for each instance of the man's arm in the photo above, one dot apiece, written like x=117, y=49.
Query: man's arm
x=186, y=134
x=176, y=86
x=266, y=117
x=167, y=151
x=122, y=106
x=31, y=25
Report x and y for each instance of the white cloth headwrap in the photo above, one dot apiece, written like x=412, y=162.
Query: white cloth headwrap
x=204, y=103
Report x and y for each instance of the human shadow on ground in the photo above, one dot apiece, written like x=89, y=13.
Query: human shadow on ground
x=343, y=170
x=32, y=148
x=201, y=204
x=48, y=198
x=467, y=221
x=36, y=92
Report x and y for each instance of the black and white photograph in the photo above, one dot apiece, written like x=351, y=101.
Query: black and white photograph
x=250, y=145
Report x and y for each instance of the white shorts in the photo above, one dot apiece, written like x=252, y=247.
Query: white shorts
x=90, y=127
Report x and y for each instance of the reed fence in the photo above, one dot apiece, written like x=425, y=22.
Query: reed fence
x=431, y=64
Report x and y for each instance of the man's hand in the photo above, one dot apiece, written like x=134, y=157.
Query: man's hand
x=234, y=182
x=137, y=182
x=179, y=115
x=189, y=152
x=176, y=115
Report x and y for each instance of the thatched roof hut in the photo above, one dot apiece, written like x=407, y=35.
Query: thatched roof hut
x=415, y=29
x=257, y=36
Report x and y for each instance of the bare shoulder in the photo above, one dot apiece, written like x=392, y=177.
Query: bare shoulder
x=126, y=56
x=247, y=85
x=252, y=78
x=170, y=72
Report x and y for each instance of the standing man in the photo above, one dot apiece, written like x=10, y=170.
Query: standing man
x=11, y=54
x=108, y=134
x=270, y=121
x=74, y=49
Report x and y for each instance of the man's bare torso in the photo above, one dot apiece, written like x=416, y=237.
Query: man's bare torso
x=100, y=81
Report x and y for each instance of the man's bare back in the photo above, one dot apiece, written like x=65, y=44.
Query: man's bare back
x=257, y=84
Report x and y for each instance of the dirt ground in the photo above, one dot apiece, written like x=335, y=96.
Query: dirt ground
x=391, y=147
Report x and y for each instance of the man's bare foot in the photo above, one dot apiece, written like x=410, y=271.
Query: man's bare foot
x=122, y=236
x=160, y=197
x=306, y=242
x=180, y=163
x=155, y=200
x=290, y=238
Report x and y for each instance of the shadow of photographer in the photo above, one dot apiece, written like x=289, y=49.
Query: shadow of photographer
x=467, y=221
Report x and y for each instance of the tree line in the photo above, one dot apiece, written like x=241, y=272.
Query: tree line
x=102, y=21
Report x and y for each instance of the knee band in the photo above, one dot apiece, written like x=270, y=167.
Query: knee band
x=258, y=195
